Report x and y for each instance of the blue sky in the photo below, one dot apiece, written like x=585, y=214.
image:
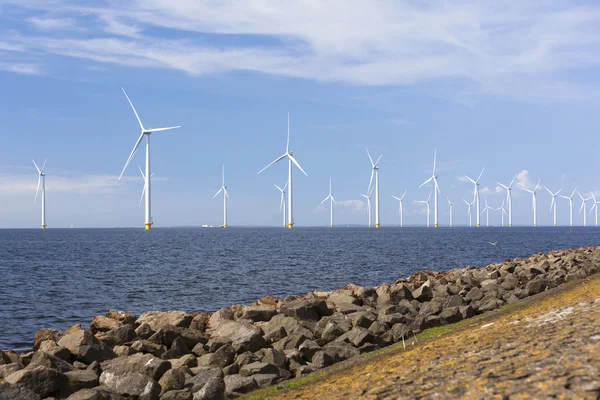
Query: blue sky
x=510, y=87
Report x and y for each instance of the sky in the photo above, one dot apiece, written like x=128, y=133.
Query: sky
x=497, y=84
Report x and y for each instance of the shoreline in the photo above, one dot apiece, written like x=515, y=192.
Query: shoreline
x=240, y=348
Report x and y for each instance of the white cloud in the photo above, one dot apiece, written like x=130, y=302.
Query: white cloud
x=487, y=190
x=21, y=68
x=463, y=178
x=344, y=206
x=53, y=24
x=523, y=180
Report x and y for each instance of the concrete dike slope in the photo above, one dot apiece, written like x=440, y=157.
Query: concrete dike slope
x=280, y=343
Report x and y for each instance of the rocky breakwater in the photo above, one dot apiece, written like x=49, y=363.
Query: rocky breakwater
x=174, y=355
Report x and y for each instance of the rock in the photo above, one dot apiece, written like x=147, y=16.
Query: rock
x=466, y=312
x=95, y=366
x=188, y=361
x=223, y=357
x=359, y=336
x=290, y=342
x=195, y=383
x=144, y=331
x=178, y=349
x=308, y=349
x=168, y=334
x=423, y=322
x=214, y=389
x=303, y=331
x=121, y=316
x=173, y=379
x=183, y=394
x=231, y=369
x=259, y=313
x=100, y=323
x=333, y=354
x=199, y=350
x=50, y=347
x=123, y=351
x=159, y=319
x=333, y=330
x=490, y=305
x=258, y=368
x=344, y=298
x=393, y=319
x=215, y=343
x=143, y=363
x=304, y=370
x=96, y=393
x=266, y=380
x=392, y=294
x=85, y=347
x=455, y=301
x=237, y=385
x=14, y=392
x=244, y=337
x=474, y=294
x=362, y=319
x=300, y=309
x=400, y=331
x=275, y=357
x=278, y=327
x=450, y=315
x=43, y=335
x=348, y=308
x=118, y=336
x=423, y=293
x=49, y=361
x=7, y=369
x=147, y=347
x=41, y=380
x=431, y=308
x=224, y=314
x=132, y=384
x=200, y=321
x=536, y=286
x=82, y=379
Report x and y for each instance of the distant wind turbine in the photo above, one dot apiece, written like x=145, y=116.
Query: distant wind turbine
x=145, y=132
x=469, y=205
x=331, y=201
x=502, y=212
x=225, y=197
x=486, y=210
x=368, y=197
x=42, y=183
x=450, y=208
x=570, y=198
x=436, y=191
x=509, y=198
x=427, y=203
x=291, y=159
x=282, y=202
x=553, y=204
x=584, y=208
x=595, y=206
x=534, y=201
x=400, y=211
x=375, y=171
x=476, y=194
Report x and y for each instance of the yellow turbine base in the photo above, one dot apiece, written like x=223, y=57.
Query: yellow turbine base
x=290, y=225
x=478, y=225
x=43, y=226
x=435, y=225
x=509, y=225
x=376, y=225
x=224, y=226
x=554, y=224
x=534, y=224
x=148, y=226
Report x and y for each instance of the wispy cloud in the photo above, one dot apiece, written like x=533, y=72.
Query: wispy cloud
x=52, y=24
x=344, y=206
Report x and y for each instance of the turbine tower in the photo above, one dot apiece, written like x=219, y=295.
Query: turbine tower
x=291, y=159
x=375, y=171
x=570, y=198
x=145, y=132
x=502, y=212
x=534, y=202
x=144, y=189
x=595, y=206
x=553, y=204
x=469, y=211
x=400, y=211
x=436, y=191
x=368, y=197
x=508, y=199
x=427, y=203
x=331, y=201
x=476, y=194
x=450, y=208
x=486, y=210
x=225, y=197
x=584, y=208
x=42, y=183
x=282, y=202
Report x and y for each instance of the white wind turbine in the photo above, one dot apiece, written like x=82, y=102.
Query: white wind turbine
x=42, y=183
x=144, y=189
x=400, y=211
x=534, y=202
x=486, y=210
x=595, y=206
x=450, y=208
x=368, y=197
x=508, y=199
x=291, y=159
x=584, y=208
x=436, y=191
x=147, y=175
x=502, y=212
x=225, y=197
x=553, y=204
x=282, y=202
x=331, y=201
x=427, y=203
x=469, y=205
x=570, y=198
x=375, y=171
x=476, y=194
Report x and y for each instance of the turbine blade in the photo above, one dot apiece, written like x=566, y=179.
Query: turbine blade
x=44, y=165
x=325, y=199
x=142, y=172
x=513, y=180
x=297, y=165
x=426, y=182
x=286, y=183
x=36, y=167
x=135, y=147
x=546, y=187
x=370, y=159
x=434, y=159
x=397, y=198
x=280, y=189
x=287, y=146
x=162, y=129
x=142, y=196
x=436, y=184
x=276, y=160
x=377, y=162
x=217, y=193
x=560, y=190
x=370, y=181
x=471, y=180
x=38, y=188
x=225, y=191
x=404, y=194
x=133, y=108
x=480, y=174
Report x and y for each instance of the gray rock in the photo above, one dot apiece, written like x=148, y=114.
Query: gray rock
x=95, y=366
x=82, y=379
x=348, y=308
x=450, y=315
x=258, y=368
x=100, y=323
x=333, y=354
x=244, y=337
x=302, y=330
x=363, y=319
x=168, y=334
x=400, y=331
x=300, y=309
x=7, y=369
x=147, y=347
x=200, y=321
x=96, y=393
x=490, y=305
x=308, y=349
x=123, y=351
x=86, y=348
x=173, y=379
x=214, y=389
x=223, y=357
x=144, y=331
x=431, y=308
x=49, y=361
x=231, y=369
x=304, y=370
x=455, y=301
x=290, y=342
x=195, y=383
x=259, y=313
x=359, y=336
x=132, y=384
x=188, y=360
x=14, y=392
x=238, y=385
x=183, y=394
x=199, y=350
x=266, y=380
x=536, y=286
x=423, y=293
x=275, y=357
x=146, y=364
x=474, y=294
x=50, y=347
x=332, y=331
x=379, y=328
x=344, y=297
x=215, y=343
x=393, y=319
x=41, y=380
x=178, y=349
x=246, y=358
x=118, y=336
x=121, y=316
x=273, y=328
x=466, y=311
x=159, y=319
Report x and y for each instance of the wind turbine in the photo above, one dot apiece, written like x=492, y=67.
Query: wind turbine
x=145, y=132
x=450, y=208
x=375, y=171
x=42, y=182
x=486, y=210
x=502, y=213
x=469, y=210
x=225, y=197
x=595, y=206
x=427, y=203
x=368, y=197
x=534, y=202
x=331, y=201
x=553, y=204
x=400, y=200
x=436, y=190
x=570, y=198
x=290, y=155
x=282, y=203
x=584, y=208
x=508, y=199
x=476, y=194
x=144, y=189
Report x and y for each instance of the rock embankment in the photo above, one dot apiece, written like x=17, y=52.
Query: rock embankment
x=174, y=355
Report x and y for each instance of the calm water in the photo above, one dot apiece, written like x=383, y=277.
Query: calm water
x=56, y=278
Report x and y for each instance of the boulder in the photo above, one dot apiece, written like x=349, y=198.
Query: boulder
x=50, y=347
x=195, y=383
x=244, y=337
x=144, y=331
x=347, y=308
x=43, y=335
x=363, y=319
x=173, y=379
x=246, y=358
x=159, y=319
x=278, y=327
x=258, y=368
x=100, y=323
x=215, y=343
x=167, y=335
x=123, y=351
x=474, y=294
x=49, y=361
x=308, y=349
x=214, y=389
x=231, y=369
x=224, y=314
x=133, y=384
x=96, y=393
x=259, y=313
x=344, y=297
x=117, y=336
x=333, y=354
x=42, y=380
x=15, y=392
x=199, y=350
x=200, y=321
x=455, y=301
x=223, y=357
x=266, y=380
x=143, y=363
x=450, y=315
x=121, y=316
x=82, y=379
x=188, y=361
x=290, y=342
x=85, y=347
x=300, y=309
x=148, y=347
x=236, y=385
x=423, y=293
x=183, y=394
x=178, y=349
x=7, y=369
x=536, y=286
x=359, y=336
x=275, y=357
